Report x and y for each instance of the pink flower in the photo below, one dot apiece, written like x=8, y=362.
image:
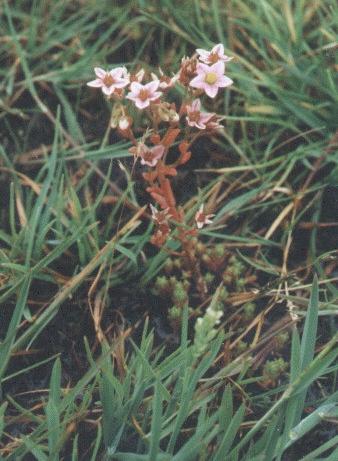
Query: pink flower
x=210, y=78
x=214, y=124
x=201, y=218
x=152, y=156
x=215, y=55
x=142, y=95
x=197, y=118
x=160, y=217
x=110, y=81
x=149, y=156
x=164, y=81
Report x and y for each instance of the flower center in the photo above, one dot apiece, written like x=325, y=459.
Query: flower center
x=200, y=217
x=148, y=155
x=143, y=94
x=108, y=80
x=213, y=57
x=211, y=78
x=194, y=116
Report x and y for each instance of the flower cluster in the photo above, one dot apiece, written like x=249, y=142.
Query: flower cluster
x=166, y=126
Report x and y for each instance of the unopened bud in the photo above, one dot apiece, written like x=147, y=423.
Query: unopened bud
x=166, y=113
x=124, y=123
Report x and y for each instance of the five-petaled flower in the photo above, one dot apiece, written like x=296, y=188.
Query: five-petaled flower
x=215, y=55
x=143, y=95
x=161, y=221
x=110, y=81
x=160, y=217
x=197, y=118
x=149, y=156
x=164, y=82
x=210, y=78
x=201, y=218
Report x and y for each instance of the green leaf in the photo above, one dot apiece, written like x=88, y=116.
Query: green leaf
x=310, y=328
x=230, y=434
x=156, y=424
x=2, y=417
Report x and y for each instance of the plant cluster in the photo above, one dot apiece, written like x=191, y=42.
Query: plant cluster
x=165, y=126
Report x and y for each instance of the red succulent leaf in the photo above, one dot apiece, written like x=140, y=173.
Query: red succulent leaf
x=185, y=157
x=158, y=196
x=168, y=193
x=171, y=171
x=167, y=170
x=170, y=136
x=155, y=138
x=185, y=153
x=150, y=176
x=183, y=147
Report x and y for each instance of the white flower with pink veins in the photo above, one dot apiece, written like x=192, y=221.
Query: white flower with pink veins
x=215, y=55
x=197, y=118
x=201, y=218
x=150, y=156
x=111, y=80
x=143, y=95
x=210, y=78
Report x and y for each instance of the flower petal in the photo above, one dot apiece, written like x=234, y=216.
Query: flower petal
x=136, y=87
x=218, y=68
x=203, y=68
x=154, y=96
x=200, y=125
x=140, y=75
x=203, y=53
x=197, y=82
x=97, y=83
x=108, y=90
x=121, y=83
x=205, y=117
x=152, y=86
x=141, y=104
x=125, y=72
x=195, y=105
x=99, y=72
x=224, y=81
x=158, y=151
x=131, y=96
x=211, y=91
x=117, y=72
x=219, y=49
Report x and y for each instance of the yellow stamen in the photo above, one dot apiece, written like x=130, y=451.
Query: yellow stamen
x=211, y=78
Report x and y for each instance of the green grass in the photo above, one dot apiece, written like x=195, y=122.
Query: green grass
x=83, y=375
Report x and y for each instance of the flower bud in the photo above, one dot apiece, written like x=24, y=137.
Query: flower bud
x=124, y=123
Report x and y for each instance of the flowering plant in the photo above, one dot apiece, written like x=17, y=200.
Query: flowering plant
x=167, y=125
